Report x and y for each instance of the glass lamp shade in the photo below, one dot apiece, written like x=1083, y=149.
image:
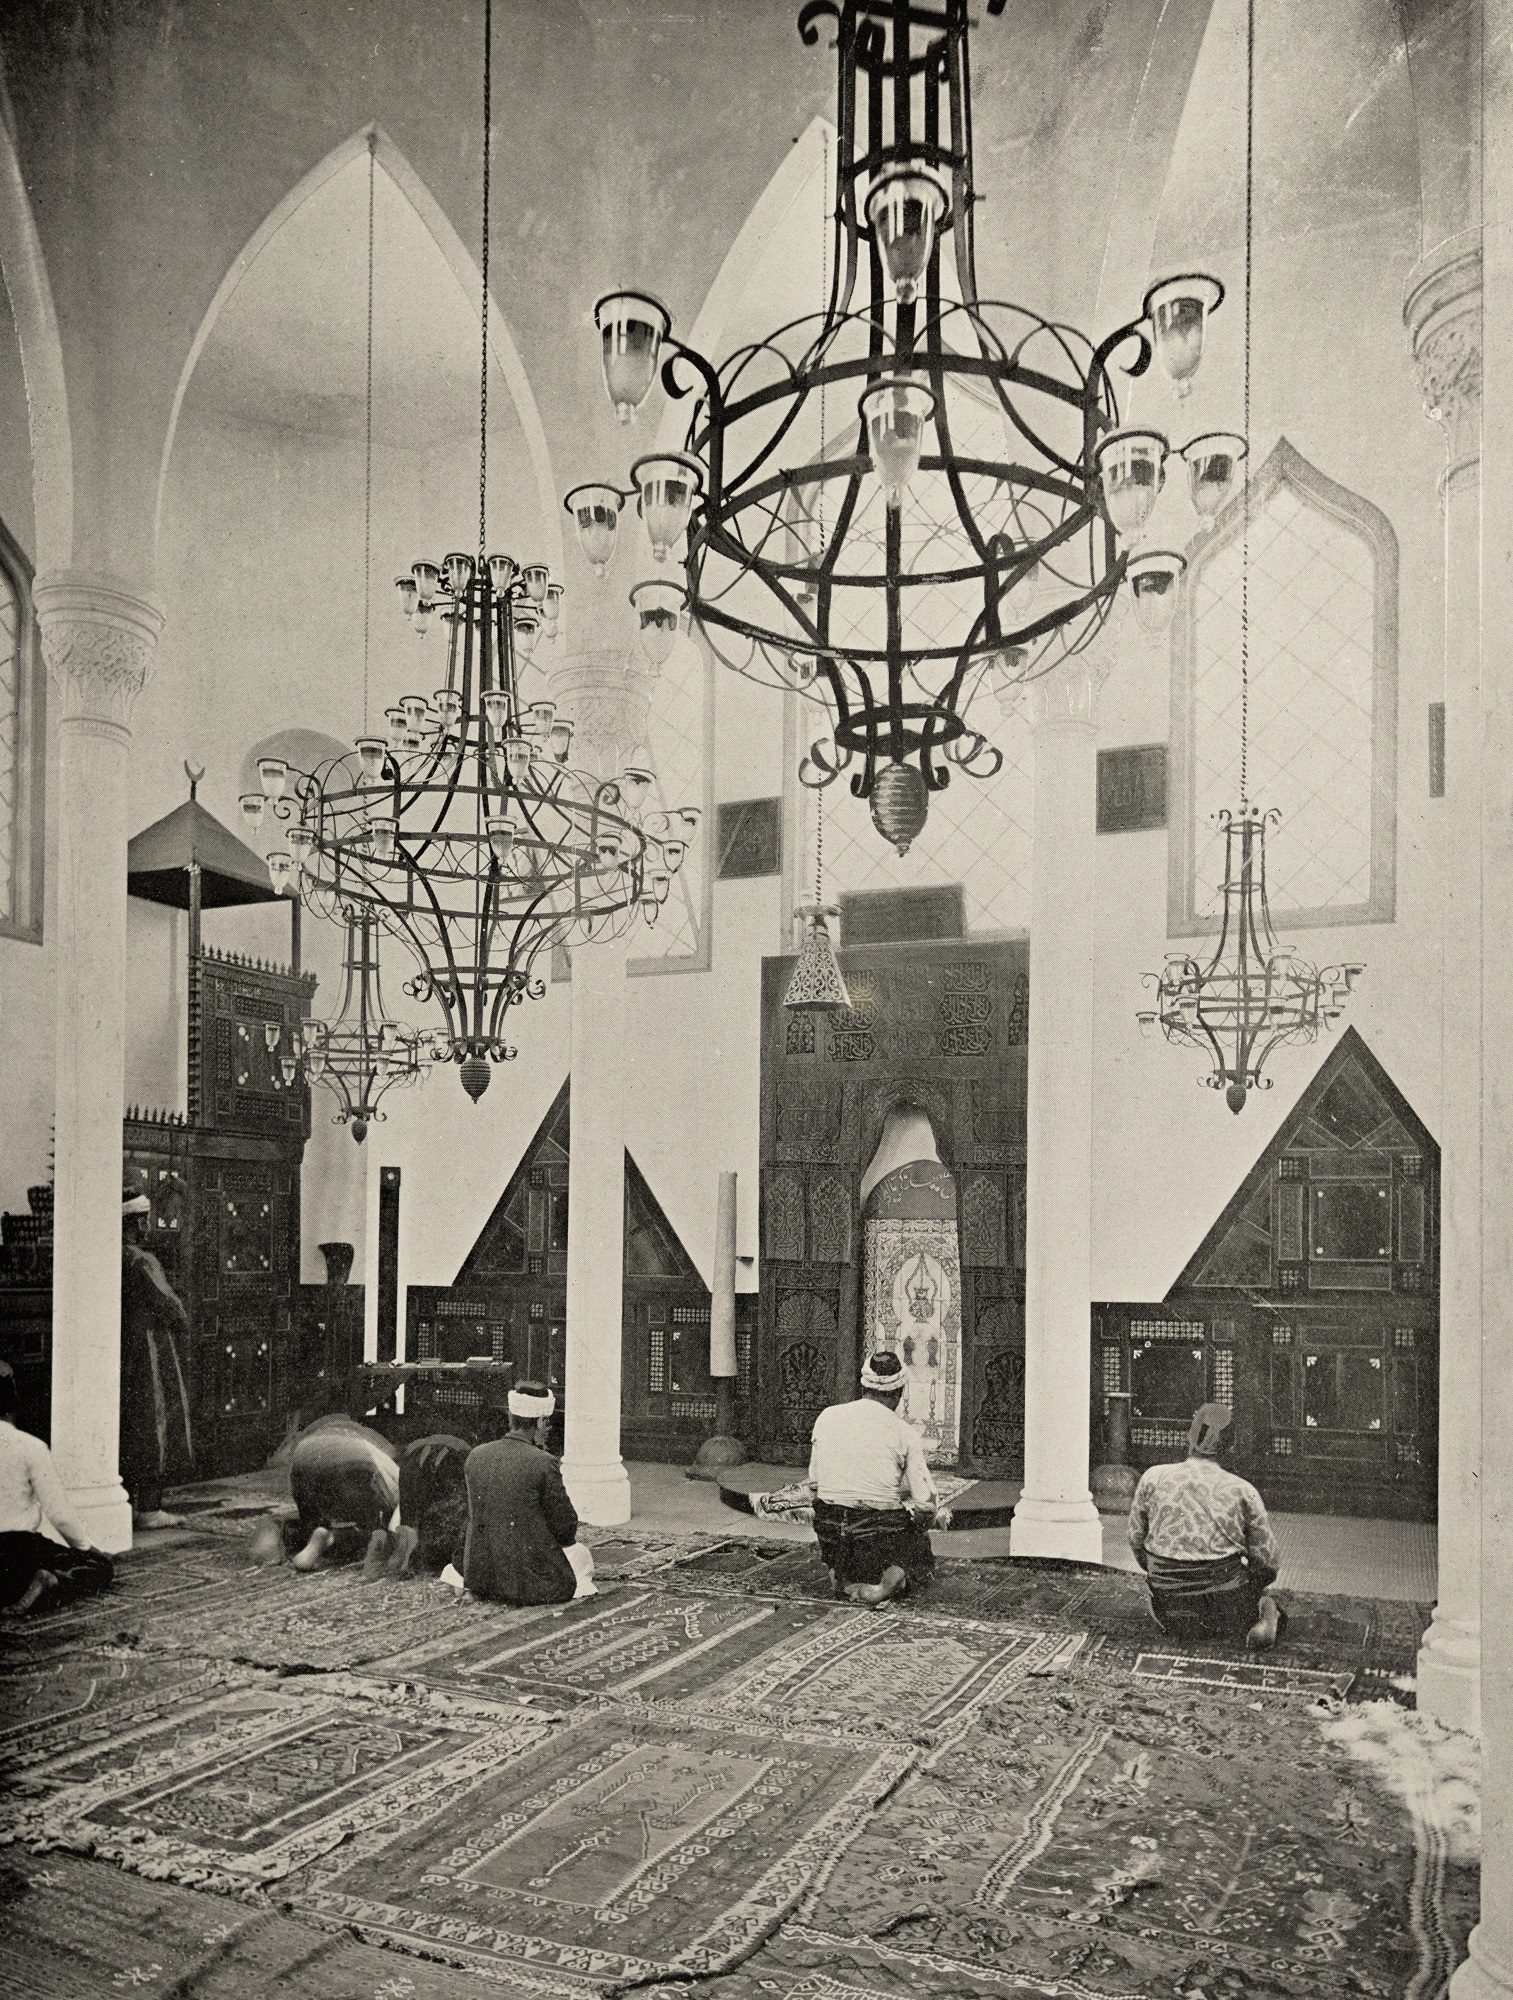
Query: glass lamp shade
x=905, y=208
x=543, y=714
x=534, y=578
x=253, y=804
x=1153, y=576
x=659, y=613
x=661, y=884
x=301, y=845
x=315, y=1062
x=1178, y=310
x=288, y=1068
x=596, y=516
x=1131, y=471
x=421, y=622
x=383, y=831
x=690, y=816
x=551, y=610
x=1006, y=678
x=673, y=853
x=272, y=1034
x=668, y=484
x=502, y=573
x=370, y=755
x=517, y=759
x=1213, y=462
x=417, y=712
x=501, y=832
x=398, y=727
x=607, y=851
x=632, y=327
x=280, y=870
x=408, y=593
x=447, y=703
x=427, y=581
x=458, y=570
x=273, y=774
x=562, y=738
x=525, y=625
x=895, y=411
x=635, y=782
x=818, y=985
x=496, y=710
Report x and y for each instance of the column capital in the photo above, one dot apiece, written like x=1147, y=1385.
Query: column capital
x=1068, y=695
x=607, y=694
x=1442, y=312
x=98, y=639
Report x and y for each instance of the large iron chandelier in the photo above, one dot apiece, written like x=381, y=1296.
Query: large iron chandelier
x=464, y=832
x=360, y=1054
x=1254, y=994
x=914, y=490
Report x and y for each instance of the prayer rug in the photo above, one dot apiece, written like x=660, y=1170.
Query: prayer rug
x=625, y=1848
x=147, y=1582
x=72, y=1929
x=1144, y=1842
x=796, y=1503
x=75, y=1701
x=246, y=1787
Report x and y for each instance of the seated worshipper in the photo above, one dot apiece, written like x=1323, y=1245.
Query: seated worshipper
x=157, y=1446
x=522, y=1528
x=874, y=1499
x=1201, y=1535
x=37, y=1571
x=344, y=1481
x=430, y=1524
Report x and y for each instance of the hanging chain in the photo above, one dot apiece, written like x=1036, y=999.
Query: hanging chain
x=1250, y=129
x=483, y=371
x=825, y=263
x=367, y=491
x=819, y=848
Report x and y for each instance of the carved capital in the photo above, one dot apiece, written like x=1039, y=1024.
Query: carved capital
x=98, y=640
x=607, y=694
x=1443, y=313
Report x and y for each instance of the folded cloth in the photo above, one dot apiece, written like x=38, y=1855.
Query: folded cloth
x=857, y=1544
x=581, y=1562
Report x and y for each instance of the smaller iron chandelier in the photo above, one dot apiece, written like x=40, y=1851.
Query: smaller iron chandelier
x=361, y=1054
x=1254, y=994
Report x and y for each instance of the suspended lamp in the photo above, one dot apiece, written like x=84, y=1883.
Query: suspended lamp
x=464, y=832
x=1253, y=994
x=361, y=1053
x=862, y=496
x=817, y=984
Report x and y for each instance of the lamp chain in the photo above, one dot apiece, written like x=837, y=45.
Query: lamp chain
x=367, y=494
x=825, y=221
x=819, y=848
x=1250, y=128
x=483, y=371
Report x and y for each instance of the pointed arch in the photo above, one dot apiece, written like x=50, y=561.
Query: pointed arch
x=502, y=348
x=36, y=318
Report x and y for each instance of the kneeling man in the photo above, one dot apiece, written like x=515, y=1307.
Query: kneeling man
x=1201, y=1535
x=874, y=1499
x=522, y=1545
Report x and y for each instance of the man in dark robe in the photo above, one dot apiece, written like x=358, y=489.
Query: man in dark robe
x=522, y=1543
x=430, y=1526
x=157, y=1445
x=1201, y=1535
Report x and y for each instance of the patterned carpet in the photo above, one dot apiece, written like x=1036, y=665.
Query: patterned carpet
x=221, y=1781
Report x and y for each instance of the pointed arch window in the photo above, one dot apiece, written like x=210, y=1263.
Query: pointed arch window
x=23, y=750
x=1323, y=702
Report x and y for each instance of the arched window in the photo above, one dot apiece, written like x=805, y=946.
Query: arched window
x=23, y=750
x=682, y=714
x=1323, y=702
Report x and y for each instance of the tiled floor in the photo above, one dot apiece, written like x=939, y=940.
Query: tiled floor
x=1320, y=1552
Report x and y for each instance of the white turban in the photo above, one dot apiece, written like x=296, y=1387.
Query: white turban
x=886, y=1379
x=523, y=1405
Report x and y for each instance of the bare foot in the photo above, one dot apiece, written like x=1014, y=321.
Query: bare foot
x=406, y=1540
x=379, y=1552
x=891, y=1582
x=41, y=1583
x=153, y=1519
x=1262, y=1636
x=267, y=1545
x=317, y=1546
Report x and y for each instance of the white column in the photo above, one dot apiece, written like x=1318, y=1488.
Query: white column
x=1488, y=1971
x=607, y=695
x=98, y=641
x=1055, y=1515
x=1443, y=312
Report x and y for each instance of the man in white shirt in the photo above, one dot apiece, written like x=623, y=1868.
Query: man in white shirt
x=874, y=1499
x=38, y=1571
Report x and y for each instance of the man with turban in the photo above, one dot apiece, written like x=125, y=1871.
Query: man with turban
x=874, y=1499
x=522, y=1545
x=157, y=1445
x=1201, y=1535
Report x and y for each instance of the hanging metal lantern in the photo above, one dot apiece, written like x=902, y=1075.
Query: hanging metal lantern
x=818, y=985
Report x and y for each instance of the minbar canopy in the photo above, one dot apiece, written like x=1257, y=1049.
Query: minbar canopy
x=159, y=858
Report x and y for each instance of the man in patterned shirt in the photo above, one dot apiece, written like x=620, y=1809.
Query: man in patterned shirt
x=1201, y=1535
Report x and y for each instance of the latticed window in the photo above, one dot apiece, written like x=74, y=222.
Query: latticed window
x=679, y=730
x=22, y=747
x=1323, y=701
x=978, y=832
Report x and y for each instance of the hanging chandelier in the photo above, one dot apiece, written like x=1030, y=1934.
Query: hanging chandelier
x=464, y=832
x=362, y=1053
x=1254, y=994
x=886, y=504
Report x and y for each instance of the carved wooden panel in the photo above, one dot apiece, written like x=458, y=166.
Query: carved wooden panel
x=830, y=1205
x=783, y=1214
x=235, y=1084
x=984, y=1220
x=803, y=1371
x=996, y=1427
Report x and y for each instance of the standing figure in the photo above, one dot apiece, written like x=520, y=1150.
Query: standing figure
x=157, y=1445
x=522, y=1545
x=1201, y=1535
x=37, y=1571
x=874, y=1499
